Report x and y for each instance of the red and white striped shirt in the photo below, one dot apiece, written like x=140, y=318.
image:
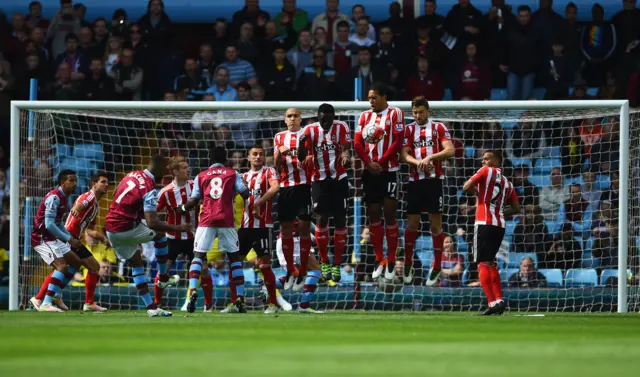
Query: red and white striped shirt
x=172, y=196
x=291, y=171
x=258, y=183
x=426, y=141
x=392, y=120
x=326, y=146
x=77, y=225
x=493, y=190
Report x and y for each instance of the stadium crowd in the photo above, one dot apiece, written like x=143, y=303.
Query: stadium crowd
x=512, y=52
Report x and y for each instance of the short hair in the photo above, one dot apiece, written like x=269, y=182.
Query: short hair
x=420, y=101
x=174, y=162
x=219, y=155
x=496, y=154
x=525, y=258
x=324, y=52
x=244, y=85
x=326, y=108
x=221, y=67
x=358, y=6
x=576, y=185
x=157, y=160
x=524, y=8
x=343, y=24
x=95, y=178
x=380, y=88
x=255, y=146
x=99, y=19
x=64, y=175
x=69, y=37
x=571, y=5
x=364, y=49
x=34, y=3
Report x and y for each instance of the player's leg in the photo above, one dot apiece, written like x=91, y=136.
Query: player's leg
x=485, y=252
x=161, y=251
x=229, y=244
x=203, y=242
x=91, y=280
x=287, y=213
x=310, y=286
x=339, y=211
x=374, y=193
x=303, y=199
x=320, y=193
x=174, y=249
x=55, y=286
x=435, y=200
x=140, y=281
x=390, y=206
x=262, y=242
x=36, y=300
x=415, y=199
x=73, y=265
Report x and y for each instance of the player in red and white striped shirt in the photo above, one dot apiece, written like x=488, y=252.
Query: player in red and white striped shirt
x=379, y=179
x=329, y=141
x=171, y=197
x=493, y=192
x=427, y=144
x=294, y=201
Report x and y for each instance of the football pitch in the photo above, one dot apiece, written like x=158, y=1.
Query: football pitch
x=334, y=344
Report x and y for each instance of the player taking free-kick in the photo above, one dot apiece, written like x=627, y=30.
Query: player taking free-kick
x=379, y=179
x=329, y=141
x=82, y=216
x=216, y=187
x=427, y=144
x=493, y=191
x=136, y=198
x=294, y=201
x=170, y=197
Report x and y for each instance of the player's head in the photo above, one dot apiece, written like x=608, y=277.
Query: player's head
x=378, y=96
x=420, y=110
x=157, y=166
x=100, y=182
x=219, y=155
x=492, y=159
x=68, y=180
x=179, y=168
x=326, y=115
x=256, y=157
x=293, y=119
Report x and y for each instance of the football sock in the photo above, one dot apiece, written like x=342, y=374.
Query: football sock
x=68, y=276
x=438, y=245
x=44, y=287
x=486, y=280
x=322, y=241
x=377, y=238
x=54, y=287
x=157, y=291
x=90, y=283
x=194, y=274
x=305, y=249
x=287, y=250
x=339, y=240
x=496, y=284
x=392, y=243
x=143, y=288
x=206, y=282
x=280, y=282
x=310, y=285
x=189, y=291
x=269, y=278
x=161, y=251
x=237, y=279
x=232, y=288
x=410, y=237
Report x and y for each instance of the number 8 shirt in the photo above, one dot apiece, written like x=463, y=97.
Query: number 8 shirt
x=219, y=185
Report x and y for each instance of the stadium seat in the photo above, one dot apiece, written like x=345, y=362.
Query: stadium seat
x=62, y=150
x=249, y=276
x=83, y=167
x=424, y=243
x=544, y=165
x=521, y=161
x=539, y=93
x=516, y=258
x=553, y=227
x=462, y=245
x=505, y=274
x=540, y=181
x=448, y=95
x=578, y=277
x=347, y=277
x=498, y=94
x=93, y=152
x=580, y=241
x=426, y=258
x=553, y=276
x=607, y=274
x=83, y=185
x=590, y=91
x=510, y=226
x=603, y=182
x=509, y=125
x=555, y=152
x=588, y=244
x=469, y=151
x=569, y=180
x=465, y=277
x=589, y=261
x=280, y=272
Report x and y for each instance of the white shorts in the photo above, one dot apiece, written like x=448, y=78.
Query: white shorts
x=296, y=252
x=52, y=250
x=227, y=239
x=125, y=244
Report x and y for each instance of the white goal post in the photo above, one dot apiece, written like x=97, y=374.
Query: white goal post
x=469, y=110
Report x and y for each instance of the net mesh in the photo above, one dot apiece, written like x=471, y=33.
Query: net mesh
x=564, y=163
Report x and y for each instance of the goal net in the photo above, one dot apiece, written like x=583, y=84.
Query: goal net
x=562, y=253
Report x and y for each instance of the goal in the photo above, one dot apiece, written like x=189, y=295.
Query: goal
x=576, y=166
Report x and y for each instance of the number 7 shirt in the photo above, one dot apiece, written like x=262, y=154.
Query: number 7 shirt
x=493, y=190
x=219, y=184
x=135, y=195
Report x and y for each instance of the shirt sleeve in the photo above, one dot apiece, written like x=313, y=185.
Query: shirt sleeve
x=514, y=196
x=408, y=131
x=443, y=133
x=239, y=185
x=162, y=201
x=346, y=134
x=150, y=201
x=51, y=206
x=480, y=175
x=398, y=126
x=195, y=193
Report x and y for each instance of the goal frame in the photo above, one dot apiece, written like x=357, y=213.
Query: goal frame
x=17, y=106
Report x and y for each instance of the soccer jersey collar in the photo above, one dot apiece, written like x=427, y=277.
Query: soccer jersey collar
x=428, y=124
x=216, y=165
x=147, y=172
x=62, y=191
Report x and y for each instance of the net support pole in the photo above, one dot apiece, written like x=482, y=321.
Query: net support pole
x=623, y=216
x=28, y=204
x=357, y=201
x=14, y=203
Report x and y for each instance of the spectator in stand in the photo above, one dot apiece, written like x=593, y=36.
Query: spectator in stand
x=239, y=70
x=279, y=77
x=530, y=234
x=63, y=23
x=358, y=13
x=238, y=160
x=605, y=228
x=206, y=63
x=248, y=48
x=396, y=23
x=607, y=149
x=424, y=82
x=345, y=53
x=221, y=39
x=391, y=56
x=368, y=71
x=191, y=81
x=464, y=22
x=86, y=45
x=553, y=196
x=590, y=133
x=361, y=35
x=78, y=63
x=81, y=13
x=318, y=82
x=491, y=137
x=576, y=211
x=128, y=77
x=452, y=264
x=33, y=47
x=564, y=252
x=62, y=88
x=34, y=19
x=320, y=40
x=301, y=55
x=100, y=34
x=113, y=52
x=474, y=79
x=573, y=153
x=222, y=91
x=627, y=23
x=37, y=36
x=597, y=50
x=138, y=44
x=523, y=49
x=34, y=68
x=431, y=19
x=499, y=18
x=244, y=91
x=7, y=83
x=13, y=40
x=252, y=14
x=547, y=23
x=435, y=51
x=156, y=30
x=570, y=33
x=610, y=88
x=611, y=196
x=527, y=192
x=528, y=139
x=589, y=192
x=528, y=276
x=329, y=20
x=120, y=22
x=291, y=20
x=272, y=39
x=97, y=86
x=560, y=75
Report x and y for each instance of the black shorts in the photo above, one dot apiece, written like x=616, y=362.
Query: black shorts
x=294, y=203
x=376, y=188
x=486, y=242
x=425, y=195
x=177, y=247
x=83, y=253
x=330, y=197
x=258, y=239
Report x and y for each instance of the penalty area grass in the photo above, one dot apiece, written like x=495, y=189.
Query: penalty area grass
x=124, y=344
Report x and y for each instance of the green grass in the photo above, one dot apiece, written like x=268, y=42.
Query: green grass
x=368, y=344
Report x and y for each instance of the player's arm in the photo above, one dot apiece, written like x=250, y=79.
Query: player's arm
x=514, y=205
x=78, y=207
x=274, y=187
x=51, y=210
x=345, y=144
x=193, y=201
x=94, y=233
x=405, y=152
x=150, y=201
x=303, y=148
x=398, y=139
x=358, y=145
x=470, y=185
x=241, y=187
x=279, y=152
